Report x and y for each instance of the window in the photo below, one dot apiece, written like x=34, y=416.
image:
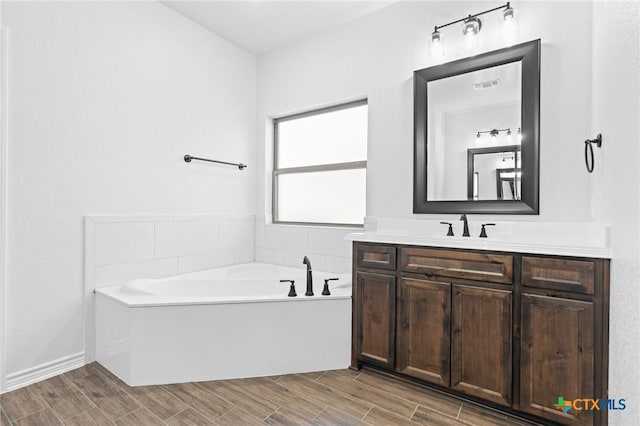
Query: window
x=320, y=166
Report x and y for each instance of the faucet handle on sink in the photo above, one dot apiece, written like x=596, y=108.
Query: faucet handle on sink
x=450, y=233
x=483, y=232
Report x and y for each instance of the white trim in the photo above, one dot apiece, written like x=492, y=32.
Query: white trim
x=4, y=36
x=44, y=371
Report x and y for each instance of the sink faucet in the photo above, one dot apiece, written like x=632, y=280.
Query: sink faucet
x=309, y=291
x=465, y=231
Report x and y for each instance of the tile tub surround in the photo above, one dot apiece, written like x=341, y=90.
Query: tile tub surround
x=586, y=239
x=119, y=248
x=288, y=244
x=92, y=395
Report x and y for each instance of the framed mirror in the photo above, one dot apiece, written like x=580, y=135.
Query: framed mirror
x=476, y=134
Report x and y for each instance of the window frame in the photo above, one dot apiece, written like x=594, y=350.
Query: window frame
x=351, y=165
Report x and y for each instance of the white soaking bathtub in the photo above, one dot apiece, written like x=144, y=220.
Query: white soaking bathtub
x=224, y=323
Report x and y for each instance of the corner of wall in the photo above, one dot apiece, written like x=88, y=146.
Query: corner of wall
x=3, y=201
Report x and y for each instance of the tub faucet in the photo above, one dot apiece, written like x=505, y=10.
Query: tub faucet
x=465, y=231
x=309, y=291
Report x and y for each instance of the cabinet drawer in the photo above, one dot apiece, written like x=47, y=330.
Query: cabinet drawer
x=559, y=274
x=458, y=264
x=379, y=257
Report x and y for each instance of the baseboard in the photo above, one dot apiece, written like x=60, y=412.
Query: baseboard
x=44, y=371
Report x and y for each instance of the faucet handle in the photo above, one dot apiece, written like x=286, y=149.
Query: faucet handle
x=483, y=232
x=325, y=290
x=450, y=233
x=292, y=289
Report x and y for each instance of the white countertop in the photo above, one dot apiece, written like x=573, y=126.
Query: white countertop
x=554, y=239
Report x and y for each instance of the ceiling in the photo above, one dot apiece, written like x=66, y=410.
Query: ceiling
x=259, y=26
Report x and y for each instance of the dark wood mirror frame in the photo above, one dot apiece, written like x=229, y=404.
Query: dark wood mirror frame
x=529, y=54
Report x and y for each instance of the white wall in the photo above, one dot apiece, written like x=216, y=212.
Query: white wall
x=616, y=180
x=104, y=101
x=3, y=199
x=375, y=57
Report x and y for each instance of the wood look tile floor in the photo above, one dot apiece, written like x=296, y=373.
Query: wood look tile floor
x=91, y=395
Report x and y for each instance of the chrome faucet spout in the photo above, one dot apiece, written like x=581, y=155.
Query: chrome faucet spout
x=309, y=291
x=465, y=230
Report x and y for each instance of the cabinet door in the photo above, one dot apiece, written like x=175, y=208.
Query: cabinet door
x=375, y=311
x=481, y=343
x=424, y=328
x=557, y=347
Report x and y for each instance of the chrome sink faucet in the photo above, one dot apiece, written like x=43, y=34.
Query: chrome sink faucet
x=309, y=291
x=465, y=231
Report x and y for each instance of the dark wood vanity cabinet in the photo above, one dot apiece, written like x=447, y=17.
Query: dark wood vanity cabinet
x=514, y=330
x=564, y=334
x=375, y=296
x=481, y=343
x=423, y=341
x=557, y=356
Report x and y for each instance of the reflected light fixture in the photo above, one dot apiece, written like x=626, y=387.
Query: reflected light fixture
x=494, y=132
x=472, y=24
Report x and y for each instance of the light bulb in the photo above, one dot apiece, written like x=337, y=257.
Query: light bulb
x=435, y=37
x=472, y=26
x=437, y=49
x=507, y=14
x=509, y=25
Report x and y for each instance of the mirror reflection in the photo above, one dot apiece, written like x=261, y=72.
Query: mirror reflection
x=473, y=139
x=494, y=173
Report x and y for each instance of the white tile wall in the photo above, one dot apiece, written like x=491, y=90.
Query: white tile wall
x=216, y=259
x=288, y=244
x=109, y=275
x=235, y=234
x=186, y=237
x=121, y=248
x=329, y=242
x=123, y=242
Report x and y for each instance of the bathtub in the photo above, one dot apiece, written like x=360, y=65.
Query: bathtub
x=224, y=323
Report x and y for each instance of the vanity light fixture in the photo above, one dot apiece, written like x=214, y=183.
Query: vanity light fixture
x=472, y=24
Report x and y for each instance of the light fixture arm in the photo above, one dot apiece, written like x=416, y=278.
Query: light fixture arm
x=504, y=6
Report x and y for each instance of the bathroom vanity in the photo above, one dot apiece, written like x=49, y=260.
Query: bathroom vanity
x=513, y=330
